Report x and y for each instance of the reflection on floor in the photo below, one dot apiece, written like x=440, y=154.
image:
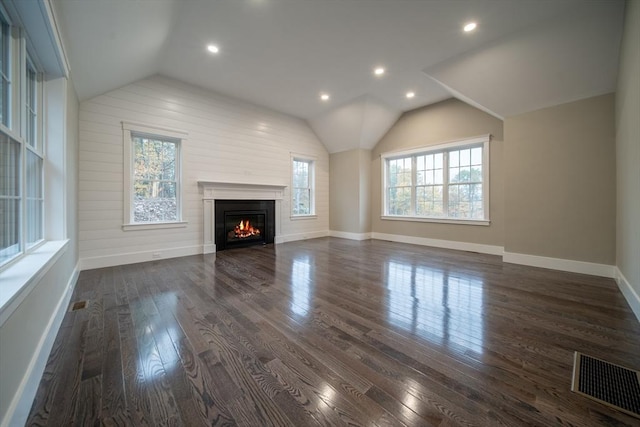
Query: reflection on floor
x=301, y=282
x=441, y=308
x=333, y=332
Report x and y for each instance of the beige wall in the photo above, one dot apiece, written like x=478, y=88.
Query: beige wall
x=442, y=122
x=349, y=183
x=364, y=160
x=560, y=182
x=627, y=116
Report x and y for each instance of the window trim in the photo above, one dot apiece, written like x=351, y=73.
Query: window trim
x=25, y=272
x=312, y=160
x=483, y=140
x=19, y=63
x=7, y=40
x=32, y=108
x=180, y=136
x=22, y=273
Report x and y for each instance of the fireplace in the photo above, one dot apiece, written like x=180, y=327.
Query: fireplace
x=240, y=223
x=215, y=192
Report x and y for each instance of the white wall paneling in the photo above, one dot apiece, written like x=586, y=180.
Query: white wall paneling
x=229, y=141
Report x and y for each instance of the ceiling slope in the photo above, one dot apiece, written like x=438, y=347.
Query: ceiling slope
x=281, y=54
x=358, y=124
x=113, y=43
x=572, y=57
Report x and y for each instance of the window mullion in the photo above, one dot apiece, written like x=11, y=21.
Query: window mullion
x=414, y=182
x=386, y=186
x=22, y=192
x=445, y=183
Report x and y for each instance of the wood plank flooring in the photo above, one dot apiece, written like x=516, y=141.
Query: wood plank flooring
x=333, y=332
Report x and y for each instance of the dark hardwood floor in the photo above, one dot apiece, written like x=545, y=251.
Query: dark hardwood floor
x=333, y=332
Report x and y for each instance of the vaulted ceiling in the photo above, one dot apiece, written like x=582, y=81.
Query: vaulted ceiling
x=282, y=54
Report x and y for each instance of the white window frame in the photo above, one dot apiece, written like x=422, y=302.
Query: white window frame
x=482, y=140
x=311, y=160
x=7, y=39
x=135, y=129
x=31, y=135
x=15, y=128
x=32, y=144
x=33, y=32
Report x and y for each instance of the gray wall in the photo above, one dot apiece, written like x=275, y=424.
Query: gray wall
x=560, y=182
x=627, y=116
x=442, y=122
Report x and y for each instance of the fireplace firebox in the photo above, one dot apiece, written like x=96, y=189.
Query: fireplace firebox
x=241, y=223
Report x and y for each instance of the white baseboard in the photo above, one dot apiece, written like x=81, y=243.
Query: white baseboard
x=629, y=293
x=209, y=248
x=20, y=407
x=602, y=270
x=135, y=257
x=350, y=236
x=438, y=243
x=300, y=236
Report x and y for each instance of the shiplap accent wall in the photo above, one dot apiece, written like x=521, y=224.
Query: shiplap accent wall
x=229, y=140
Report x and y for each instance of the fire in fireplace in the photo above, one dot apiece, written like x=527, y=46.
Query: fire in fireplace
x=244, y=222
x=243, y=230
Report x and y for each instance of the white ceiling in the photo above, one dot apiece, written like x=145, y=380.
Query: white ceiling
x=525, y=54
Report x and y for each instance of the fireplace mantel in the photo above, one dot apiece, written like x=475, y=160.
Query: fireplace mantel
x=219, y=190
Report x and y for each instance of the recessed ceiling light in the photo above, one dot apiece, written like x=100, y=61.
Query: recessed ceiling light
x=410, y=95
x=378, y=71
x=470, y=27
x=324, y=96
x=213, y=48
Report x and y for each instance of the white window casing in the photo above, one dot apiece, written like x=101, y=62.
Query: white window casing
x=405, y=206
x=33, y=176
x=23, y=160
x=178, y=137
x=303, y=186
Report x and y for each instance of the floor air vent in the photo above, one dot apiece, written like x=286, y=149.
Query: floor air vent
x=78, y=305
x=612, y=385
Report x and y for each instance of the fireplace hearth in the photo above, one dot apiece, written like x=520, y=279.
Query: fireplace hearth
x=241, y=223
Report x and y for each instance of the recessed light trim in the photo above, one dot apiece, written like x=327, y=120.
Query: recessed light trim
x=410, y=95
x=470, y=27
x=379, y=71
x=213, y=48
x=324, y=97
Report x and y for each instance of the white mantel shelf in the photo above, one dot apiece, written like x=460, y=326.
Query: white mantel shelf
x=218, y=190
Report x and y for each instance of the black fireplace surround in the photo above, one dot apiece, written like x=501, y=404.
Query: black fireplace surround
x=241, y=223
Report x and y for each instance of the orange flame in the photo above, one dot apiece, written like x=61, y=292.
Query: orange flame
x=245, y=229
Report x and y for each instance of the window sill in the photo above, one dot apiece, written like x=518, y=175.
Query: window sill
x=481, y=222
x=154, y=226
x=297, y=217
x=20, y=277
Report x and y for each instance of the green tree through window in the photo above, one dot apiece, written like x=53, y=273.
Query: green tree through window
x=154, y=184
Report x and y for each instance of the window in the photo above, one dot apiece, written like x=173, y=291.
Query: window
x=302, y=188
x=10, y=200
x=5, y=67
x=21, y=157
x=155, y=181
x=153, y=177
x=31, y=104
x=444, y=183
